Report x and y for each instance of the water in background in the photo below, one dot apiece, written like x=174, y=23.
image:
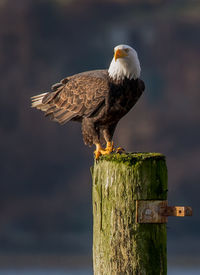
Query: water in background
x=171, y=271
x=185, y=271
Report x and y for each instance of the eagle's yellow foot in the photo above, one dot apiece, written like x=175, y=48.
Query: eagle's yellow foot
x=100, y=151
x=97, y=154
x=120, y=150
x=109, y=147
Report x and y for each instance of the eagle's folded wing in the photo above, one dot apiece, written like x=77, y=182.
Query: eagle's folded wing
x=75, y=97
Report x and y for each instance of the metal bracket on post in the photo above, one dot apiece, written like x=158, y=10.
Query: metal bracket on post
x=157, y=211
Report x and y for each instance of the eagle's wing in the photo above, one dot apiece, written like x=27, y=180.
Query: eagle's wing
x=75, y=97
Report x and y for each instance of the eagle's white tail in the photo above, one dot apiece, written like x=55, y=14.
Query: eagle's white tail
x=37, y=102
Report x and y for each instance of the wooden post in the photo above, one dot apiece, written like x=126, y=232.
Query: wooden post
x=120, y=244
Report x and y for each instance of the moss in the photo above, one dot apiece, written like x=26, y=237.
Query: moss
x=130, y=158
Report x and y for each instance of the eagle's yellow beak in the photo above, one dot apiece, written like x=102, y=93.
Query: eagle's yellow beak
x=119, y=54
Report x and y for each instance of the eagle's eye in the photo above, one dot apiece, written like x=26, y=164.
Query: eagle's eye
x=126, y=50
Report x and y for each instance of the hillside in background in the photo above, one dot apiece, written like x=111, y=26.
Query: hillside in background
x=45, y=183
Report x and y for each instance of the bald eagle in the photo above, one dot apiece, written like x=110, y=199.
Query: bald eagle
x=98, y=99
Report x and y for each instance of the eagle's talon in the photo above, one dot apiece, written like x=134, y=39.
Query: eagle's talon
x=119, y=150
x=100, y=151
x=97, y=154
x=109, y=147
x=106, y=151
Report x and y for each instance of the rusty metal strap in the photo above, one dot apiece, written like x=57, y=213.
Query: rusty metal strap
x=157, y=211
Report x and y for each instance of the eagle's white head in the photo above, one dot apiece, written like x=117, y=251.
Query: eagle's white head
x=125, y=63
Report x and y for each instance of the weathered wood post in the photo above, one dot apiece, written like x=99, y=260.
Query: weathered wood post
x=121, y=245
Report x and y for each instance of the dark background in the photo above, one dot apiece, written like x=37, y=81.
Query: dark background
x=45, y=182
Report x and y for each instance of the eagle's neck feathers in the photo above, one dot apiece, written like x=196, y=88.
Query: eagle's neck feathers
x=125, y=68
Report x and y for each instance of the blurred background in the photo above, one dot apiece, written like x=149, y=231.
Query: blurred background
x=45, y=181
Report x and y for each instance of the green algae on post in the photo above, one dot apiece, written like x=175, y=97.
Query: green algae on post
x=130, y=157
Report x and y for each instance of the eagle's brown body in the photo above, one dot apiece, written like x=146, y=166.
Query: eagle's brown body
x=93, y=99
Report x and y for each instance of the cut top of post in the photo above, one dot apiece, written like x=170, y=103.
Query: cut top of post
x=145, y=172
x=131, y=158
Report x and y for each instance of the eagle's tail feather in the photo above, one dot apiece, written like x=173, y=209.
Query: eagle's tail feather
x=67, y=118
x=63, y=116
x=43, y=103
x=37, y=102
